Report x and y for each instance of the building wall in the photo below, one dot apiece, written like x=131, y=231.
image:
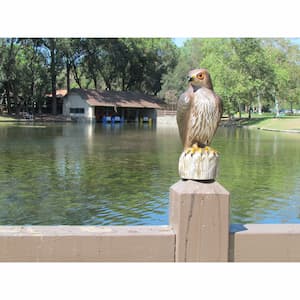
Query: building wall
x=75, y=102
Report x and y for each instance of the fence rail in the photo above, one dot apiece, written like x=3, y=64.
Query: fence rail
x=199, y=231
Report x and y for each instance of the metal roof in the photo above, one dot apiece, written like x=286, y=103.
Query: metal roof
x=118, y=98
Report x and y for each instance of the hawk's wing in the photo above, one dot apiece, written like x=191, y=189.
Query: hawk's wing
x=183, y=113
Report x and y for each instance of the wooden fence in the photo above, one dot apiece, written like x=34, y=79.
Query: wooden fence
x=199, y=231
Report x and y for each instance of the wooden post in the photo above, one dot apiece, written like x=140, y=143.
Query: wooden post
x=199, y=215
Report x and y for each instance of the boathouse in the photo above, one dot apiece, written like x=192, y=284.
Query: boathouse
x=110, y=106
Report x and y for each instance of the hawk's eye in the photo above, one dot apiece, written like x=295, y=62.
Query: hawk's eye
x=200, y=76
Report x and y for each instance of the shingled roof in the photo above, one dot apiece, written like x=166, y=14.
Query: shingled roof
x=118, y=98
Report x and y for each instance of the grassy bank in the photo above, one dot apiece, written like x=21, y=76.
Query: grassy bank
x=6, y=119
x=271, y=123
x=36, y=118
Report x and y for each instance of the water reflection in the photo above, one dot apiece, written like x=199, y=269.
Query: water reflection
x=102, y=174
x=261, y=169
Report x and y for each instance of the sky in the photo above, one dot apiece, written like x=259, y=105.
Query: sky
x=296, y=41
x=179, y=41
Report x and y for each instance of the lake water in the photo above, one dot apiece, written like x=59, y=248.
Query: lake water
x=87, y=174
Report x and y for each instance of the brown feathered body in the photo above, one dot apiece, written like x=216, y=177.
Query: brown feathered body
x=199, y=110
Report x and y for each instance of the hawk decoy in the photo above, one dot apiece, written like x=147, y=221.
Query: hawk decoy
x=199, y=112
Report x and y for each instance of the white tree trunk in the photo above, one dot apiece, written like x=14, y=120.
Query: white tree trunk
x=276, y=107
x=259, y=104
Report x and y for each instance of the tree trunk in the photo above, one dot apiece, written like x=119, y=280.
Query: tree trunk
x=40, y=106
x=53, y=76
x=277, y=107
x=31, y=96
x=95, y=83
x=108, y=85
x=8, y=102
x=107, y=81
x=68, y=65
x=259, y=104
x=9, y=83
x=123, y=81
x=76, y=77
x=16, y=100
x=291, y=103
x=32, y=84
x=250, y=106
x=240, y=111
x=249, y=111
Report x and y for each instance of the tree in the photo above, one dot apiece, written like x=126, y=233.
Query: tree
x=220, y=59
x=128, y=63
x=174, y=82
x=253, y=64
x=277, y=55
x=53, y=55
x=247, y=73
x=293, y=58
x=35, y=79
x=91, y=60
x=72, y=53
x=10, y=78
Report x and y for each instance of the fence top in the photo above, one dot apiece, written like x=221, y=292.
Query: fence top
x=199, y=187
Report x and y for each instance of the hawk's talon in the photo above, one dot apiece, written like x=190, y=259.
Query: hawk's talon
x=195, y=148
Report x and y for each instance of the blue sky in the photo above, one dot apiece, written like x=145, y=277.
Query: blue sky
x=179, y=41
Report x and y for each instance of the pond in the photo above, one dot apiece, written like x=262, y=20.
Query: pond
x=94, y=174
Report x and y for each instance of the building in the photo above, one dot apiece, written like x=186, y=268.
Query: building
x=110, y=106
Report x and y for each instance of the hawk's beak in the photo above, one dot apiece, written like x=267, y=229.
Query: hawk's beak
x=190, y=78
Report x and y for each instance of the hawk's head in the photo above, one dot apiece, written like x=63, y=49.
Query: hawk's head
x=200, y=78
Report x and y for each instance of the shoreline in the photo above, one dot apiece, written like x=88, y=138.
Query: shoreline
x=279, y=130
x=37, y=118
x=162, y=121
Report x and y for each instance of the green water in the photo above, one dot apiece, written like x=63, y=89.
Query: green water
x=93, y=174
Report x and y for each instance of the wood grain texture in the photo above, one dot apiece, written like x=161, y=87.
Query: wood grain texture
x=199, y=215
x=265, y=243
x=87, y=244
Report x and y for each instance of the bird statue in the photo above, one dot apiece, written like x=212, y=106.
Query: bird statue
x=199, y=112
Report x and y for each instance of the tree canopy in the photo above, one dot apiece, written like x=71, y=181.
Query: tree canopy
x=250, y=74
x=32, y=67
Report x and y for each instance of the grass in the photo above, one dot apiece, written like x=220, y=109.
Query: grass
x=269, y=122
x=5, y=119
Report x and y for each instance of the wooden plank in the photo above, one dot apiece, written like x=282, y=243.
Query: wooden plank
x=87, y=243
x=265, y=243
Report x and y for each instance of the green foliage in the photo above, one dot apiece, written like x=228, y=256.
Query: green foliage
x=174, y=82
x=247, y=73
x=30, y=68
